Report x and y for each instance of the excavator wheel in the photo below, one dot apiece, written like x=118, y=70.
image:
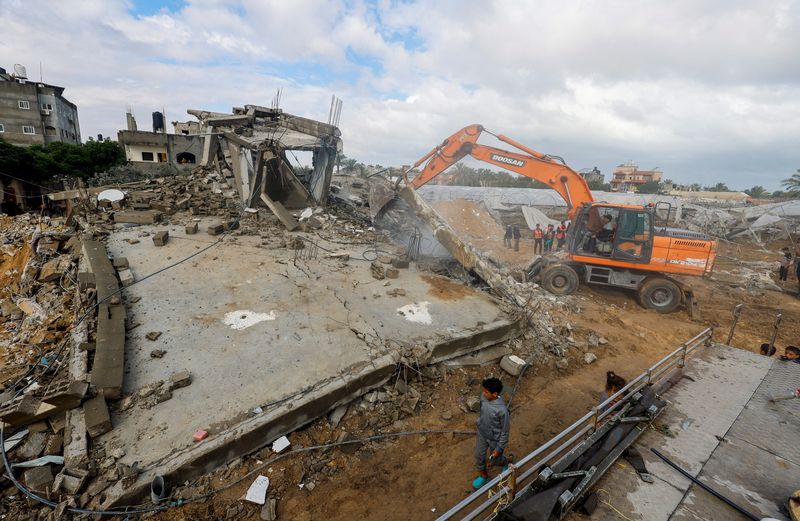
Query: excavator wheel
x=560, y=279
x=660, y=294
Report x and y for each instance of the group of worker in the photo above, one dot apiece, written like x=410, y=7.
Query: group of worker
x=543, y=239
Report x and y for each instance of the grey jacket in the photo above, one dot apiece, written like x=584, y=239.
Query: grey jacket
x=493, y=422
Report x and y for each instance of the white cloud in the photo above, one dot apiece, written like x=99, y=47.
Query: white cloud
x=706, y=90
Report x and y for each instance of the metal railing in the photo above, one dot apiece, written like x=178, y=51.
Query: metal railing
x=524, y=471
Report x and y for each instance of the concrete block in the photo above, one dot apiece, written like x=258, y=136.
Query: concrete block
x=400, y=263
x=136, y=217
x=98, y=421
x=67, y=395
x=70, y=481
x=216, y=229
x=191, y=229
x=512, y=364
x=39, y=479
x=391, y=273
x=109, y=358
x=76, y=452
x=126, y=277
x=161, y=238
x=120, y=263
x=85, y=281
x=180, y=379
x=19, y=411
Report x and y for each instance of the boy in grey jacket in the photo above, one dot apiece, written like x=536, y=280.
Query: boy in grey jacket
x=493, y=427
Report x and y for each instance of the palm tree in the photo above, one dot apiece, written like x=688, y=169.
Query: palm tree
x=757, y=192
x=793, y=183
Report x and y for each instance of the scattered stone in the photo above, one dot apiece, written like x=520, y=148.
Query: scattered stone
x=602, y=341
x=191, y=229
x=473, y=403
x=348, y=448
x=153, y=335
x=180, y=379
x=377, y=270
x=392, y=273
x=269, y=512
x=562, y=364
x=593, y=340
x=98, y=421
x=336, y=415
x=280, y=445
x=447, y=415
x=161, y=238
x=157, y=353
x=512, y=364
x=590, y=358
x=215, y=229
x=121, y=263
x=396, y=292
x=400, y=263
x=33, y=446
x=55, y=443
x=118, y=453
x=39, y=479
x=126, y=277
x=200, y=435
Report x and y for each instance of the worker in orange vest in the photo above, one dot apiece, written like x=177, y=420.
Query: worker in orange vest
x=561, y=235
x=538, y=235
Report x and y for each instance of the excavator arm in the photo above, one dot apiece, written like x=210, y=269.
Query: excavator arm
x=528, y=162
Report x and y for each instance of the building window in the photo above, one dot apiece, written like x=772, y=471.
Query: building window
x=28, y=130
x=147, y=156
x=162, y=157
x=47, y=106
x=23, y=104
x=2, y=128
x=49, y=131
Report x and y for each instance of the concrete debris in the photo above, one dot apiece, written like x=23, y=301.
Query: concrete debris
x=257, y=493
x=153, y=335
x=589, y=358
x=269, y=512
x=280, y=445
x=39, y=479
x=161, y=238
x=512, y=364
x=157, y=353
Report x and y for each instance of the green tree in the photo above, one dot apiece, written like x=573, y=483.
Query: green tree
x=599, y=186
x=719, y=187
x=40, y=163
x=650, y=187
x=792, y=183
x=757, y=192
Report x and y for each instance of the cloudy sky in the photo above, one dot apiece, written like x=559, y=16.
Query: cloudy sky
x=707, y=90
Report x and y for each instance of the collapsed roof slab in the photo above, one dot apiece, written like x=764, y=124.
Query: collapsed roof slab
x=258, y=328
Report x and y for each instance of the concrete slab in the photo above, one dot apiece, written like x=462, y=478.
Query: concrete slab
x=257, y=328
x=703, y=405
x=758, y=463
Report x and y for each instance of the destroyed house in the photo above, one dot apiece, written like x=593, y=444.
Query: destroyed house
x=253, y=148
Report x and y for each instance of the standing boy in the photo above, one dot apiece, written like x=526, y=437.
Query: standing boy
x=516, y=236
x=549, y=235
x=786, y=262
x=507, y=237
x=493, y=426
x=537, y=239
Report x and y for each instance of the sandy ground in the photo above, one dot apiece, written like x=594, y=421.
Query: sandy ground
x=420, y=477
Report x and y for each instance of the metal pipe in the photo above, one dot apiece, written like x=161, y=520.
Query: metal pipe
x=706, y=487
x=775, y=326
x=737, y=310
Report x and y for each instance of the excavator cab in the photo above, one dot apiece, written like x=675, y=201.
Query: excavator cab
x=613, y=232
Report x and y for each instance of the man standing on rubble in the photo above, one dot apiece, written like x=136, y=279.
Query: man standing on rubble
x=516, y=236
x=493, y=427
x=537, y=239
x=507, y=237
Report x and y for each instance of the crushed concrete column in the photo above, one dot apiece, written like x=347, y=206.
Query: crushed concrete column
x=462, y=252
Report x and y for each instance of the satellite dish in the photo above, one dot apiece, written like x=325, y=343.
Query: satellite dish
x=112, y=195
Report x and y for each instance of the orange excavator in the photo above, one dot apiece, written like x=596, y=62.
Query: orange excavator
x=607, y=244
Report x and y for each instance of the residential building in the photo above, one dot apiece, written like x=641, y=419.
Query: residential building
x=628, y=178
x=35, y=113
x=143, y=146
x=592, y=175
